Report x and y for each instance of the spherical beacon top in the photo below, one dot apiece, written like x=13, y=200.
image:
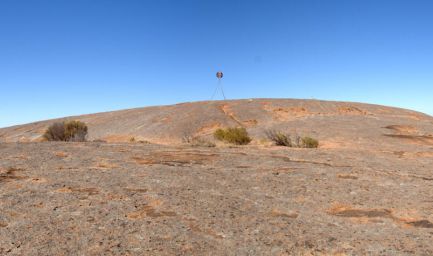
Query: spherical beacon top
x=219, y=74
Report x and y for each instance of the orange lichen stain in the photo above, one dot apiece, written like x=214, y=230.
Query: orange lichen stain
x=21, y=157
x=149, y=211
x=187, y=248
x=226, y=109
x=136, y=190
x=288, y=113
x=64, y=190
x=349, y=212
x=166, y=119
x=374, y=216
x=351, y=110
x=300, y=199
x=208, y=129
x=214, y=234
x=117, y=138
x=61, y=154
x=332, y=144
x=280, y=213
x=104, y=164
x=143, y=161
x=424, y=154
x=194, y=227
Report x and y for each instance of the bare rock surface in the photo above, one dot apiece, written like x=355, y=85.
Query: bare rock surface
x=335, y=124
x=365, y=191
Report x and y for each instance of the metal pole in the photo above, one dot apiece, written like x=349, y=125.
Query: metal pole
x=221, y=86
x=214, y=92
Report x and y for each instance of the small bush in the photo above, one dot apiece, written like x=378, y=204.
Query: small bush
x=219, y=134
x=308, y=142
x=55, y=132
x=67, y=131
x=238, y=136
x=279, y=138
x=132, y=139
x=75, y=131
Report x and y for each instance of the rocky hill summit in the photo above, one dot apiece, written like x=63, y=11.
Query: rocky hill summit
x=335, y=124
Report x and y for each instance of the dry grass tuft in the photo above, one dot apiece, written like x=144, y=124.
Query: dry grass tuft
x=282, y=139
x=279, y=138
x=197, y=141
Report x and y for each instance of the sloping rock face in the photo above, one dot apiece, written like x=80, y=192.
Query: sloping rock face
x=335, y=124
x=365, y=191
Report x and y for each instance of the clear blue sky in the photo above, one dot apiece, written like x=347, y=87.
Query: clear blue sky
x=60, y=58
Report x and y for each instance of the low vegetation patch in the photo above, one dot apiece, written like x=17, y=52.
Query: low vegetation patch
x=279, y=138
x=308, y=142
x=200, y=142
x=282, y=139
x=100, y=141
x=67, y=131
x=238, y=136
x=197, y=141
x=134, y=140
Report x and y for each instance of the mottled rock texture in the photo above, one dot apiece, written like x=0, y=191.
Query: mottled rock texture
x=367, y=189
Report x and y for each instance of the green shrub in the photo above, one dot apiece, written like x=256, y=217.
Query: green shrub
x=308, y=142
x=279, y=138
x=66, y=131
x=238, y=136
x=219, y=134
